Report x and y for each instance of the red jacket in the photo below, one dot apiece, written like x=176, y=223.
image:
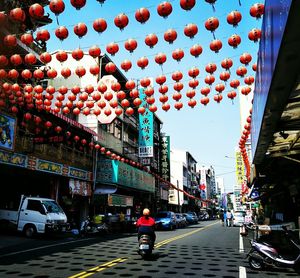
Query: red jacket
x=143, y=221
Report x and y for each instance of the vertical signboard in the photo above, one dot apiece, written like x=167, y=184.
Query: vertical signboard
x=240, y=169
x=146, y=129
x=203, y=185
x=165, y=158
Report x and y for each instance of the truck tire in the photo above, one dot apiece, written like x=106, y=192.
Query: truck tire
x=29, y=230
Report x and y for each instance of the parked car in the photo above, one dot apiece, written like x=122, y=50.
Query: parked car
x=165, y=220
x=191, y=217
x=238, y=218
x=203, y=215
x=180, y=220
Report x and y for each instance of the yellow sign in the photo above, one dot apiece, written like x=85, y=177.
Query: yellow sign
x=240, y=169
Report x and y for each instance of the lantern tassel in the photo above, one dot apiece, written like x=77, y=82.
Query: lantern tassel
x=213, y=6
x=57, y=20
x=240, y=3
x=214, y=35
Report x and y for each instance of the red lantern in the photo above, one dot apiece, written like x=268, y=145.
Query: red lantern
x=193, y=83
x=160, y=58
x=241, y=71
x=163, y=98
x=43, y=35
x=45, y=57
x=234, y=40
x=102, y=88
x=190, y=93
x=224, y=76
x=77, y=54
x=163, y=89
x=112, y=48
x=130, y=85
x=170, y=36
x=211, y=68
x=226, y=63
x=134, y=93
x=115, y=86
x=164, y=9
x=178, y=54
x=178, y=86
x=245, y=90
x=99, y=25
x=231, y=95
x=254, y=34
x=10, y=40
x=94, y=51
x=211, y=24
x=205, y=91
x=149, y=91
x=245, y=58
x=126, y=65
x=192, y=103
x=142, y=15
x=27, y=39
x=177, y=76
x=166, y=107
x=80, y=71
x=209, y=79
x=107, y=112
x=254, y=67
x=161, y=79
x=36, y=11
x=234, y=18
x=3, y=61
x=26, y=74
x=215, y=45
x=257, y=10
x=57, y=6
x=187, y=4
x=145, y=82
x=78, y=4
x=129, y=111
x=61, y=33
x=178, y=105
x=191, y=30
x=17, y=14
x=13, y=74
x=89, y=89
x=249, y=80
x=137, y=102
x=151, y=40
x=130, y=45
x=80, y=30
x=3, y=74
x=61, y=56
x=2, y=18
x=204, y=101
x=196, y=50
x=125, y=103
x=38, y=74
x=121, y=21
x=110, y=67
x=142, y=62
x=220, y=88
x=141, y=110
x=234, y=83
x=218, y=98
x=152, y=108
x=30, y=59
x=94, y=69
x=16, y=60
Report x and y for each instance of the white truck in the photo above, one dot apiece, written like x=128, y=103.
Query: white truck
x=35, y=215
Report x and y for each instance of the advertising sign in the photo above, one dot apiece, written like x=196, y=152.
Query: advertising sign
x=146, y=129
x=203, y=185
x=7, y=132
x=165, y=158
x=240, y=169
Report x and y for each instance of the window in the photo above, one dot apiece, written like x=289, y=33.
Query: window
x=35, y=205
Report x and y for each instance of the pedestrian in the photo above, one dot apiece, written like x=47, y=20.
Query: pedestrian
x=221, y=216
x=225, y=217
x=229, y=218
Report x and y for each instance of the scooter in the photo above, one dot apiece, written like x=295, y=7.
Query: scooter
x=89, y=227
x=263, y=254
x=145, y=246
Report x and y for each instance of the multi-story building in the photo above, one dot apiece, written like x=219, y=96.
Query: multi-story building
x=207, y=184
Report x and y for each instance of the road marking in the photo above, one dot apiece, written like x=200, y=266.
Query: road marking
x=243, y=272
x=98, y=268
x=45, y=246
x=241, y=242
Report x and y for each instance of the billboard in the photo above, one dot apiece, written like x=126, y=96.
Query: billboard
x=165, y=158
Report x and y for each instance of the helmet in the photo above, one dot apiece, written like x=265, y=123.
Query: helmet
x=146, y=212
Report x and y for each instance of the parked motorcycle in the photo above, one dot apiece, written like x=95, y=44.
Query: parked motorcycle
x=145, y=246
x=88, y=227
x=264, y=254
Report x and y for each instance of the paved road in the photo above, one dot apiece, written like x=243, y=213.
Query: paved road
x=203, y=250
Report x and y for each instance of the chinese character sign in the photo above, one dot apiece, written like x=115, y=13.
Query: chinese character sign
x=146, y=129
x=165, y=158
x=240, y=170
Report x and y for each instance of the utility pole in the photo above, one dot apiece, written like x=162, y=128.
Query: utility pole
x=179, y=208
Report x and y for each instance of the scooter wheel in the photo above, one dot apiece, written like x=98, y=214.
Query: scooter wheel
x=255, y=263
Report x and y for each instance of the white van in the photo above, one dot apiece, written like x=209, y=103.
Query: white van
x=36, y=215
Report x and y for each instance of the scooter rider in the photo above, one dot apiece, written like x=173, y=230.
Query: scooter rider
x=146, y=225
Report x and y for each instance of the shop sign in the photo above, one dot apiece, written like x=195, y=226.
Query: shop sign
x=7, y=132
x=240, y=169
x=79, y=187
x=120, y=200
x=146, y=129
x=47, y=166
x=165, y=158
x=50, y=139
x=15, y=159
x=117, y=172
x=78, y=173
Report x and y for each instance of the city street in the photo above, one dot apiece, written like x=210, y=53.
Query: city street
x=203, y=250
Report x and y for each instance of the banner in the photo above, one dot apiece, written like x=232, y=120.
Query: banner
x=165, y=158
x=146, y=129
x=240, y=169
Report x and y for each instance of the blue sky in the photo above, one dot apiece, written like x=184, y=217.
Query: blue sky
x=209, y=133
